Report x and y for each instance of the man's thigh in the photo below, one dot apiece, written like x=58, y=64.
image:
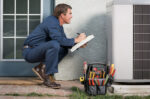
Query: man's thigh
x=37, y=54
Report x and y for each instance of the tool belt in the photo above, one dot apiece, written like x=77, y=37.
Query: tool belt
x=96, y=79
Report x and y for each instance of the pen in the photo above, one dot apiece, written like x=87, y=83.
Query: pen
x=78, y=33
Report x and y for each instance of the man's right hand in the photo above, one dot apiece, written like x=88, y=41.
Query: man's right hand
x=80, y=37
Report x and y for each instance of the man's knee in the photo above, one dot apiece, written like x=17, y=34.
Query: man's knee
x=54, y=44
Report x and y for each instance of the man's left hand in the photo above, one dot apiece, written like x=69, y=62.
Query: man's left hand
x=83, y=46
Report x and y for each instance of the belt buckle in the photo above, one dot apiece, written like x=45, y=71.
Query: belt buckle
x=26, y=46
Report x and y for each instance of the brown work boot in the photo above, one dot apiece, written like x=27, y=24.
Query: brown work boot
x=47, y=82
x=52, y=79
x=39, y=70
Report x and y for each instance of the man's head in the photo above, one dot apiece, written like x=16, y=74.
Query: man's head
x=63, y=12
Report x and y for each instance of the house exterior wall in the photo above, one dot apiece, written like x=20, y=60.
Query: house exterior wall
x=0, y=26
x=89, y=17
x=47, y=8
x=21, y=68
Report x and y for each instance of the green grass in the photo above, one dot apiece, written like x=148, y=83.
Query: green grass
x=30, y=94
x=78, y=94
x=147, y=97
x=13, y=94
x=133, y=97
x=35, y=94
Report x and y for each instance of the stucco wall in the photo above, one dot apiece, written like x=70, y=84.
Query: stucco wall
x=47, y=8
x=89, y=17
x=0, y=27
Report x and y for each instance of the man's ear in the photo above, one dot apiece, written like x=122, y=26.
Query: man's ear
x=62, y=15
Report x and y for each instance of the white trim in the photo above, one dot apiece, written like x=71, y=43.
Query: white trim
x=27, y=17
x=15, y=37
x=41, y=15
x=1, y=38
x=15, y=30
x=13, y=60
x=22, y=14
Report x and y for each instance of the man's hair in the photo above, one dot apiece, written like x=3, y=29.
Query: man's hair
x=61, y=8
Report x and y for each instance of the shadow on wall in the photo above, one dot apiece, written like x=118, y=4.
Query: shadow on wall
x=71, y=67
x=96, y=50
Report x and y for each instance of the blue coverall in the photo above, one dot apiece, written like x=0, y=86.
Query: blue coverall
x=47, y=43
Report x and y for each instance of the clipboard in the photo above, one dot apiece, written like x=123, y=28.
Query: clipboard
x=78, y=45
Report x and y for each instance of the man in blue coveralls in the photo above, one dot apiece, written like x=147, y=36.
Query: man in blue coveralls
x=48, y=44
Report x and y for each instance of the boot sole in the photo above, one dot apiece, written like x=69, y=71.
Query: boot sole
x=52, y=87
x=37, y=74
x=55, y=87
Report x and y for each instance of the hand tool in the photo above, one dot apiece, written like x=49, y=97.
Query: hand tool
x=81, y=79
x=84, y=68
x=111, y=69
x=106, y=79
x=100, y=74
x=90, y=78
x=113, y=72
x=103, y=82
x=98, y=80
x=103, y=74
x=78, y=33
x=93, y=78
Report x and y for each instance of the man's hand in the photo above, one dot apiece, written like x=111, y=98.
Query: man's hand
x=83, y=46
x=80, y=37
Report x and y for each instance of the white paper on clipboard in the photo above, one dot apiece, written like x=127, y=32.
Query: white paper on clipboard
x=78, y=45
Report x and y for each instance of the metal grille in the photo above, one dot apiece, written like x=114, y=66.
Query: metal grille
x=141, y=34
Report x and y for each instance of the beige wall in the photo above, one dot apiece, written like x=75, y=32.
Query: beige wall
x=89, y=17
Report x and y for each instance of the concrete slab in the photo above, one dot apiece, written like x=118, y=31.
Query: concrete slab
x=128, y=90
x=20, y=81
x=24, y=87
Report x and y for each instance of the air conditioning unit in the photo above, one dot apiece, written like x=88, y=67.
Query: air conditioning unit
x=128, y=34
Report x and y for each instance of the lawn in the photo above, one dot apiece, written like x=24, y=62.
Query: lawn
x=78, y=94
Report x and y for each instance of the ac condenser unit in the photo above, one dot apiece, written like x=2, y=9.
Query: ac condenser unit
x=128, y=32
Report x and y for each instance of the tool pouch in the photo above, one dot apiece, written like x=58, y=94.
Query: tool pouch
x=95, y=77
x=96, y=90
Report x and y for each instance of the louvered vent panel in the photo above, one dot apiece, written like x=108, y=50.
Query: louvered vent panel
x=141, y=48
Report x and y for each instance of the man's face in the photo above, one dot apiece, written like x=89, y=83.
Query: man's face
x=67, y=17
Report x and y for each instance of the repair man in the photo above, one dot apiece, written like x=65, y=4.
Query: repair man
x=48, y=44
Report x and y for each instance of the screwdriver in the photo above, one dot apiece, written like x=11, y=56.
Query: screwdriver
x=93, y=79
x=103, y=74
